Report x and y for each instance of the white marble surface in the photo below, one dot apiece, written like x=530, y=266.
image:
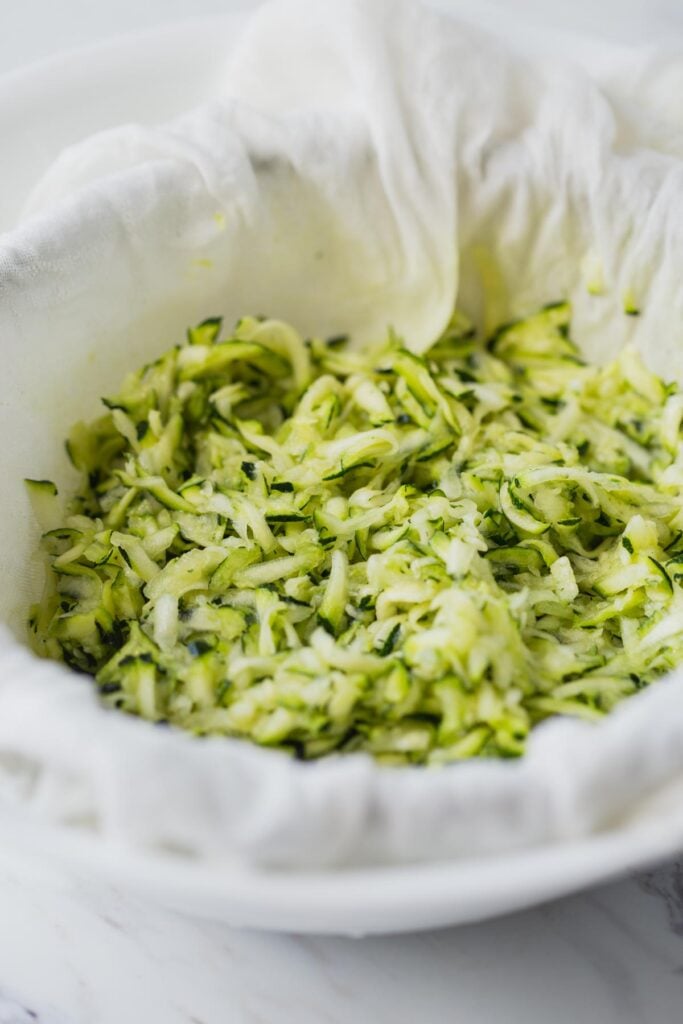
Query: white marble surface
x=75, y=953
x=71, y=953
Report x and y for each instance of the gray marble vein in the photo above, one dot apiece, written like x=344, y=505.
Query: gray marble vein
x=12, y=1012
x=16, y=1011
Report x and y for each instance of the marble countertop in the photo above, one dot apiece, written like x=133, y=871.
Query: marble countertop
x=76, y=953
x=73, y=952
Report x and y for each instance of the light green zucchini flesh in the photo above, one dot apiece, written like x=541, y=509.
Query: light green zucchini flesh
x=329, y=551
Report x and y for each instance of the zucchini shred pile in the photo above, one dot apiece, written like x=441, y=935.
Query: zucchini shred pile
x=325, y=550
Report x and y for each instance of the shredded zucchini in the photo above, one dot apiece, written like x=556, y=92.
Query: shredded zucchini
x=326, y=550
